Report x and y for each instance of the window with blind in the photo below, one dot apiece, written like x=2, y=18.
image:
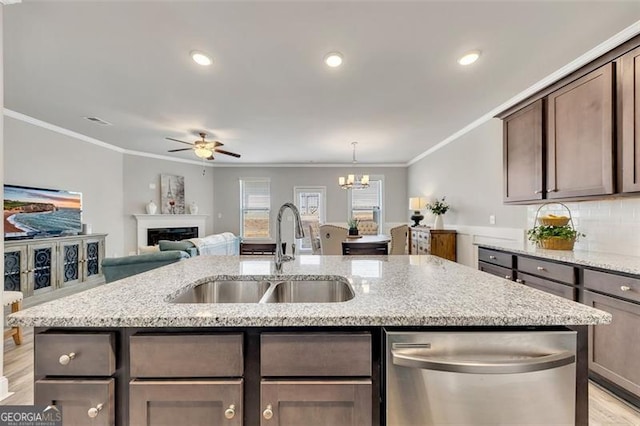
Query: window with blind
x=255, y=207
x=366, y=204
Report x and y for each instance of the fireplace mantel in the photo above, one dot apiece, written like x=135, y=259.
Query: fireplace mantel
x=146, y=221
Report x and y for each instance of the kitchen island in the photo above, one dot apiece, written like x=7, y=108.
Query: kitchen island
x=155, y=342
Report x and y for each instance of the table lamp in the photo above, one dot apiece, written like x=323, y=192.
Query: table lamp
x=416, y=204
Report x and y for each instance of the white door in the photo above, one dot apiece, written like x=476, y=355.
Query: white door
x=310, y=201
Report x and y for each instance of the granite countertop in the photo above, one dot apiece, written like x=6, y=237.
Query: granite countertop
x=390, y=291
x=608, y=261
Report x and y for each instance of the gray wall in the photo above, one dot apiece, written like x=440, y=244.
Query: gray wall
x=140, y=172
x=34, y=156
x=283, y=179
x=468, y=172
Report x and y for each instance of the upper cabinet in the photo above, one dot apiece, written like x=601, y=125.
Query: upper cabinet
x=630, y=141
x=580, y=137
x=522, y=151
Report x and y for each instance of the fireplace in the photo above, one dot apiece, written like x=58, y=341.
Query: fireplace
x=173, y=234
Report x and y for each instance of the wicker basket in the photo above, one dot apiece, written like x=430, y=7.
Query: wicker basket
x=556, y=243
x=554, y=221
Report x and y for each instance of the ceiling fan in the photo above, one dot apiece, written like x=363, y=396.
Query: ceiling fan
x=203, y=148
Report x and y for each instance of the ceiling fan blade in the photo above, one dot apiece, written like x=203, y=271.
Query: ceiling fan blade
x=176, y=140
x=214, y=144
x=222, y=151
x=181, y=149
x=211, y=157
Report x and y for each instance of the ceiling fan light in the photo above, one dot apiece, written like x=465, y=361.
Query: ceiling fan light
x=201, y=58
x=203, y=152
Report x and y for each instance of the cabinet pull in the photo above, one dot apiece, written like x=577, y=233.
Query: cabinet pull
x=519, y=281
x=93, y=411
x=66, y=359
x=507, y=277
x=268, y=412
x=492, y=257
x=541, y=268
x=230, y=412
x=625, y=288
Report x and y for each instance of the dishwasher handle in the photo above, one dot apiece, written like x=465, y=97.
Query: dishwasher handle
x=409, y=358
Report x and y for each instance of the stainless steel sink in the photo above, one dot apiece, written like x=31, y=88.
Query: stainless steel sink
x=311, y=291
x=269, y=291
x=225, y=292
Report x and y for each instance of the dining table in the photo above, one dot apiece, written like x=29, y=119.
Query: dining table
x=366, y=245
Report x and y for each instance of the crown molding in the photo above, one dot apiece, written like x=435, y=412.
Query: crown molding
x=619, y=38
x=9, y=2
x=307, y=165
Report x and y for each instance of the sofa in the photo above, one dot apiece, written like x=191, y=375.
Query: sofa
x=116, y=268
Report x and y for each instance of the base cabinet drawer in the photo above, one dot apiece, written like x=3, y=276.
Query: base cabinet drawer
x=315, y=354
x=186, y=355
x=83, y=402
x=316, y=403
x=498, y=271
x=552, y=287
x=185, y=402
x=74, y=354
x=542, y=268
x=495, y=257
x=616, y=285
x=614, y=349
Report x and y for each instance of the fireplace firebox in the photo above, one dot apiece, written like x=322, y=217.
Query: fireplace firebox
x=172, y=234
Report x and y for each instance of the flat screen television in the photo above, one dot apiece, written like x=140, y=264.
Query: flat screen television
x=39, y=212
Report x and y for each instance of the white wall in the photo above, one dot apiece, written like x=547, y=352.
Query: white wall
x=283, y=179
x=34, y=156
x=139, y=172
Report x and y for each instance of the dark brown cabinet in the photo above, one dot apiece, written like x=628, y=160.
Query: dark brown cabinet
x=316, y=403
x=630, y=140
x=614, y=349
x=522, y=154
x=562, y=290
x=580, y=137
x=83, y=402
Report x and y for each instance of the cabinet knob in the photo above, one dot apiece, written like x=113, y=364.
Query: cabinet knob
x=541, y=268
x=519, y=281
x=625, y=288
x=268, y=412
x=492, y=257
x=507, y=277
x=230, y=412
x=93, y=411
x=66, y=359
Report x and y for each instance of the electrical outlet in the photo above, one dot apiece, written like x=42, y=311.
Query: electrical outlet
x=492, y=219
x=152, y=186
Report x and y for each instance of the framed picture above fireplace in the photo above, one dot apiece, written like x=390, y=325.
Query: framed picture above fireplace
x=172, y=194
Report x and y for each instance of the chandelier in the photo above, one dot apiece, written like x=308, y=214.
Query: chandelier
x=354, y=181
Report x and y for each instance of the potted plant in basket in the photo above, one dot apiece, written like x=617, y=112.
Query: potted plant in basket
x=554, y=237
x=353, y=226
x=438, y=208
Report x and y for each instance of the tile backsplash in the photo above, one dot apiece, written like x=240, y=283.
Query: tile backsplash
x=611, y=226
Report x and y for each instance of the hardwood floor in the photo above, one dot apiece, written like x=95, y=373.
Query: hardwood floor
x=604, y=408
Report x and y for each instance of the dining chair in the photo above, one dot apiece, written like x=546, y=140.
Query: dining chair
x=399, y=239
x=315, y=239
x=367, y=227
x=331, y=238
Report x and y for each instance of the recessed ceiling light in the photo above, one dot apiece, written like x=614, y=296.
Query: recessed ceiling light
x=201, y=58
x=469, y=58
x=333, y=59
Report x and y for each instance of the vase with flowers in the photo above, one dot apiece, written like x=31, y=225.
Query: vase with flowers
x=438, y=208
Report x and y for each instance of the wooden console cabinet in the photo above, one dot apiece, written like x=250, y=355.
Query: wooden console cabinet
x=40, y=265
x=437, y=242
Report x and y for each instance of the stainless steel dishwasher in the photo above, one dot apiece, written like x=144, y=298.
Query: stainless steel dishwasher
x=480, y=378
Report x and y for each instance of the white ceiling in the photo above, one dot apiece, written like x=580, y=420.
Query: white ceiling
x=268, y=94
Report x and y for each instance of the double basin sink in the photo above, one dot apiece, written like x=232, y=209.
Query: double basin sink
x=269, y=291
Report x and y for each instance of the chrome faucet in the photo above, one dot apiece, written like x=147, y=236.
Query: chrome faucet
x=280, y=256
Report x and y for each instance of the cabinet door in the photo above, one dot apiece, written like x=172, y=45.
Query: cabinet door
x=614, y=349
x=92, y=258
x=69, y=268
x=15, y=269
x=522, y=154
x=316, y=403
x=443, y=244
x=580, y=137
x=42, y=267
x=189, y=402
x=630, y=147
x=83, y=402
